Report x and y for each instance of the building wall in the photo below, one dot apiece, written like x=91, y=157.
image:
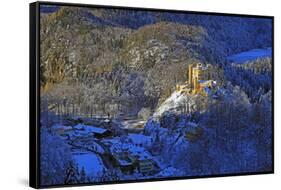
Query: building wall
x=196, y=74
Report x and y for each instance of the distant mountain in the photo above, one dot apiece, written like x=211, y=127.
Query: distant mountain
x=234, y=34
x=49, y=9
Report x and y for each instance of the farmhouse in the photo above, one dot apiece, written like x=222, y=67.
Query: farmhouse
x=96, y=131
x=128, y=162
x=147, y=166
x=125, y=163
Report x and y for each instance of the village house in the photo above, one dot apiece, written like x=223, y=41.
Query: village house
x=128, y=163
x=96, y=131
x=147, y=166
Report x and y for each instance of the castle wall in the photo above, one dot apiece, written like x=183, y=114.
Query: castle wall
x=190, y=68
x=196, y=73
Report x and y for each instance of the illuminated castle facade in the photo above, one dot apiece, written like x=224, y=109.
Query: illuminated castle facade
x=199, y=80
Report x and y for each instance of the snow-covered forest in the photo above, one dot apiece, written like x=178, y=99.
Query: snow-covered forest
x=109, y=106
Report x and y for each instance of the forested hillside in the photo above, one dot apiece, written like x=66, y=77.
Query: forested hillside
x=132, y=59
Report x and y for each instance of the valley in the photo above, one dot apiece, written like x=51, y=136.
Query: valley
x=147, y=95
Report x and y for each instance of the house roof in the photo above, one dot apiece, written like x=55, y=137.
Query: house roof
x=61, y=127
x=192, y=124
x=90, y=129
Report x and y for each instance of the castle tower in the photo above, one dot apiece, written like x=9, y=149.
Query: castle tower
x=199, y=72
x=195, y=85
x=190, y=67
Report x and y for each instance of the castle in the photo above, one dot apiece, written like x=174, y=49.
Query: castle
x=199, y=80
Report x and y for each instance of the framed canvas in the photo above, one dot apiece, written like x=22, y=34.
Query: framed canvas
x=120, y=94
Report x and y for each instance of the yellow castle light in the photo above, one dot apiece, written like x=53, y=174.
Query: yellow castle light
x=199, y=77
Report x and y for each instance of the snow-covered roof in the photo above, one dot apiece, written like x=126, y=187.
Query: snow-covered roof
x=77, y=133
x=207, y=90
x=90, y=129
x=132, y=149
x=79, y=127
x=192, y=124
x=139, y=138
x=61, y=127
x=124, y=162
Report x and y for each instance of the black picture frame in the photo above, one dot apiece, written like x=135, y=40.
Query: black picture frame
x=34, y=91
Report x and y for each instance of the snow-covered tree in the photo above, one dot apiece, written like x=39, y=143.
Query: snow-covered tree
x=54, y=159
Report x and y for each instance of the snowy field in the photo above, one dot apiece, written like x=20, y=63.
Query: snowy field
x=250, y=55
x=91, y=162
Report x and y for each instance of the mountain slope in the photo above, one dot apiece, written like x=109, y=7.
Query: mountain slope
x=112, y=65
x=90, y=56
